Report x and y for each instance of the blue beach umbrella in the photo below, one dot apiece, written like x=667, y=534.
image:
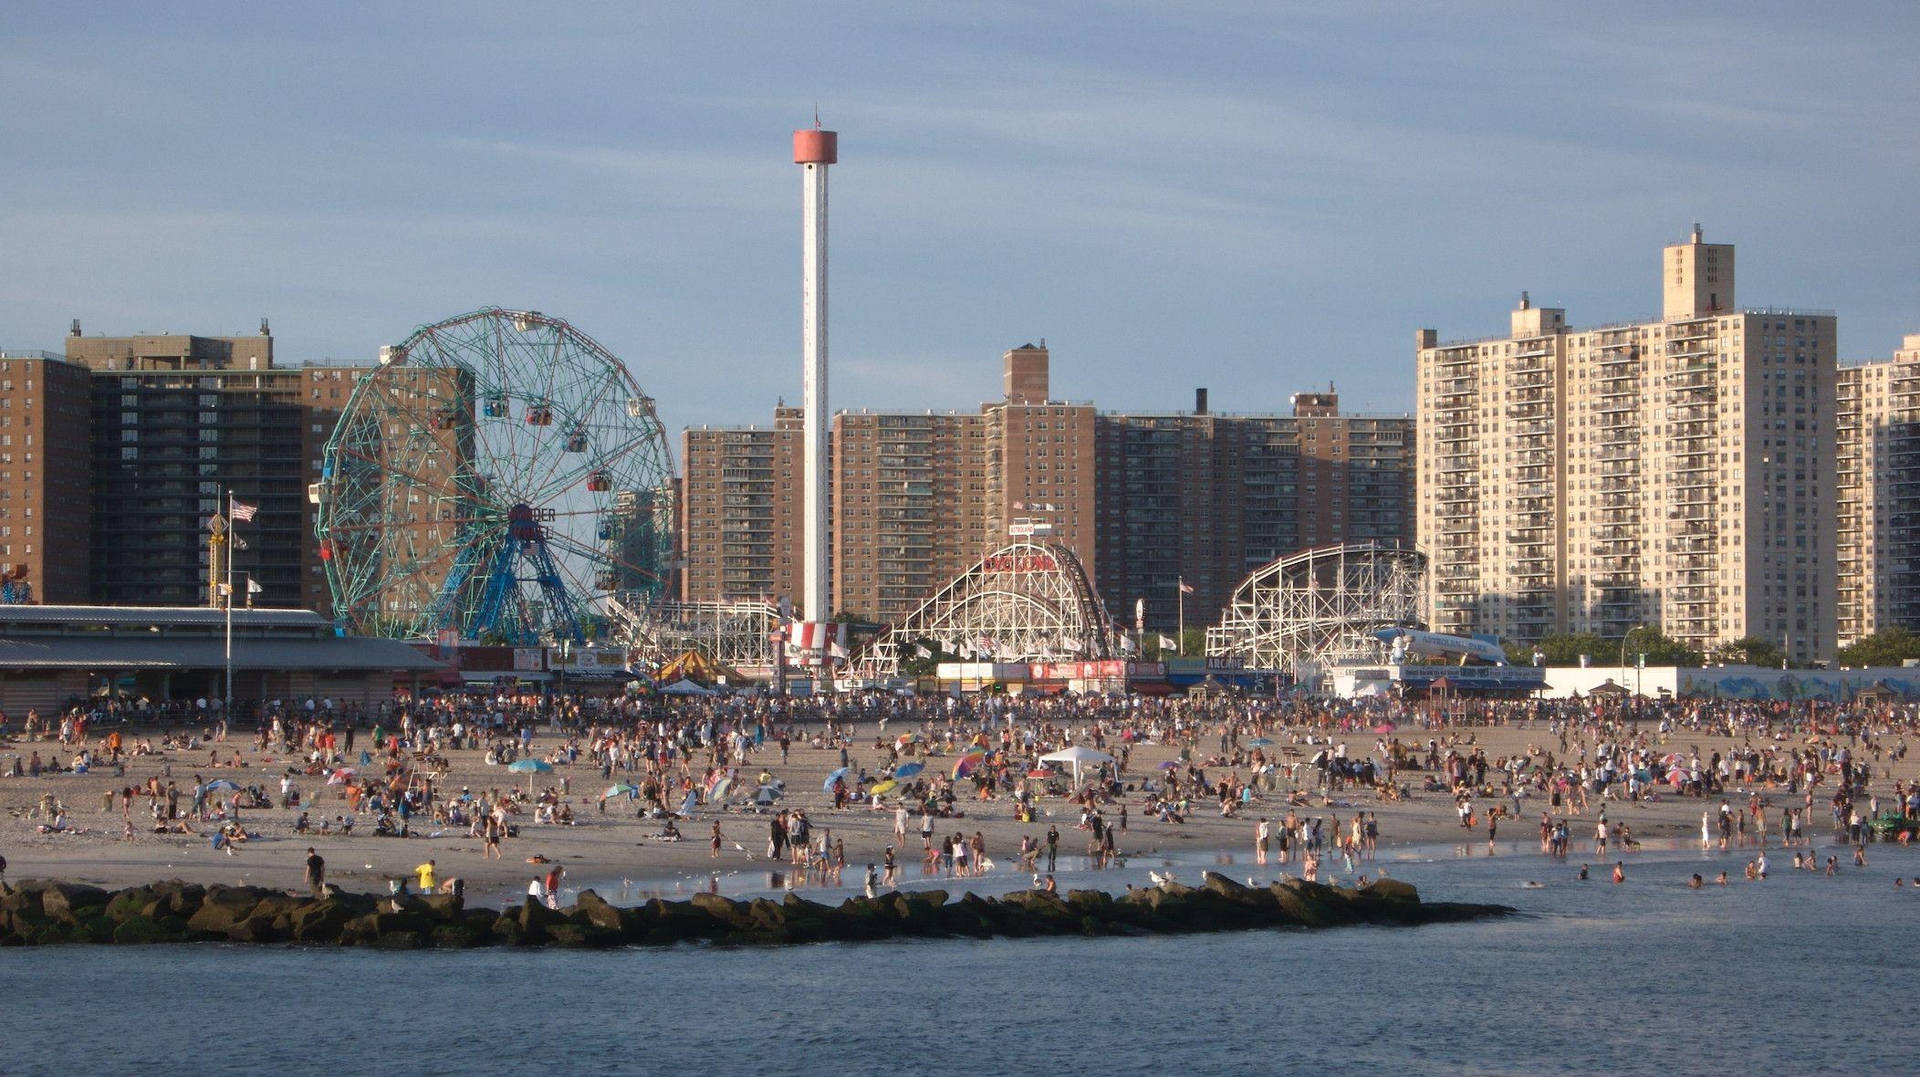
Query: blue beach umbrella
x=909, y=770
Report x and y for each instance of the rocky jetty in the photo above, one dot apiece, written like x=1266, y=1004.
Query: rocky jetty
x=38, y=912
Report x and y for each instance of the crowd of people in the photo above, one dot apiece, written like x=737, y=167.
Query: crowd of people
x=1310, y=770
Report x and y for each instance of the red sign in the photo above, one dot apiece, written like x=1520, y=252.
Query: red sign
x=1020, y=562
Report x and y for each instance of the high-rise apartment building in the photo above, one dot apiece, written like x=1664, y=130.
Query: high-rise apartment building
x=1673, y=472
x=1207, y=499
x=1877, y=494
x=174, y=421
x=1039, y=462
x=1143, y=500
x=917, y=496
x=909, y=501
x=44, y=476
x=740, y=511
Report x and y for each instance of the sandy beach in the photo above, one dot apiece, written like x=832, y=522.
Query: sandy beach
x=613, y=845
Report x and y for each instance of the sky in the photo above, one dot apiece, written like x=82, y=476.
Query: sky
x=1260, y=198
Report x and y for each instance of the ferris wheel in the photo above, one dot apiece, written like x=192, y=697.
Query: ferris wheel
x=500, y=476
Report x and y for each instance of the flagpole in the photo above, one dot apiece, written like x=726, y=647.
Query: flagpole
x=226, y=711
x=1180, y=589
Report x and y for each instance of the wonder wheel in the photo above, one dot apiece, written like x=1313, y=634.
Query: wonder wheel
x=498, y=476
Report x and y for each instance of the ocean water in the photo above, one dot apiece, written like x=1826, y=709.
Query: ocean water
x=1799, y=973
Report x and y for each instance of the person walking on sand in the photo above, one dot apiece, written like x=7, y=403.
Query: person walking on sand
x=316, y=873
x=713, y=842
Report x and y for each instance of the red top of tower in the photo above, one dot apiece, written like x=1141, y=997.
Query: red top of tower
x=816, y=147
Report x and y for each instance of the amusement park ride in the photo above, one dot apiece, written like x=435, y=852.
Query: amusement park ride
x=496, y=477
x=501, y=478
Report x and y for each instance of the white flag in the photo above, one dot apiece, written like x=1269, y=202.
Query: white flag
x=1167, y=644
x=253, y=586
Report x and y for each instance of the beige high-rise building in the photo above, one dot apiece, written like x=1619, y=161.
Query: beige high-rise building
x=1674, y=473
x=1877, y=494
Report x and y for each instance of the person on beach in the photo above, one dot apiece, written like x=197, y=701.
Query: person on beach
x=1619, y=872
x=713, y=841
x=425, y=872
x=316, y=873
x=1260, y=839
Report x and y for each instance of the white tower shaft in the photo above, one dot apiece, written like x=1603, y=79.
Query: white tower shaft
x=814, y=151
x=813, y=321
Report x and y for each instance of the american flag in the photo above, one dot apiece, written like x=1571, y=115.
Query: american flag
x=241, y=511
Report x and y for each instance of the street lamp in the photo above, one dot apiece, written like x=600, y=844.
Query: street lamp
x=1638, y=666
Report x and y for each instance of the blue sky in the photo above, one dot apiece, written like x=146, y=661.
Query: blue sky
x=1254, y=197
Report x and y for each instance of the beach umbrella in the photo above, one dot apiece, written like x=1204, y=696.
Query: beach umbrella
x=530, y=767
x=1170, y=764
x=909, y=770
x=1260, y=742
x=767, y=794
x=965, y=764
x=827, y=786
x=221, y=783
x=1677, y=778
x=905, y=739
x=620, y=789
x=720, y=789
x=340, y=777
x=883, y=788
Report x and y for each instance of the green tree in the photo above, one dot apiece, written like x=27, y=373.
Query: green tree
x=1195, y=641
x=1565, y=649
x=1660, y=648
x=1887, y=647
x=915, y=664
x=1749, y=650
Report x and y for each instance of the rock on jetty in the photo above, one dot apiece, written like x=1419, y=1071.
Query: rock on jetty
x=38, y=912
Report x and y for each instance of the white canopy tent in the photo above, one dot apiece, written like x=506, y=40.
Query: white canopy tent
x=1077, y=755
